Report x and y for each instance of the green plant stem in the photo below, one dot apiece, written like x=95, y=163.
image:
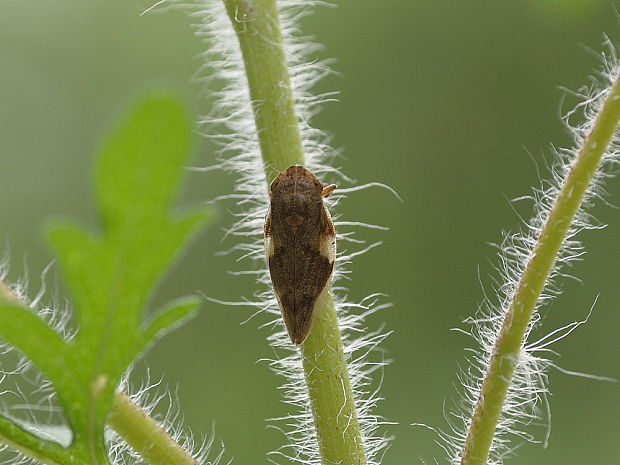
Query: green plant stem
x=145, y=435
x=333, y=405
x=7, y=294
x=256, y=23
x=511, y=337
x=140, y=431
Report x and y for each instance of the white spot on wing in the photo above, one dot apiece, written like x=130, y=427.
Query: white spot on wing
x=328, y=243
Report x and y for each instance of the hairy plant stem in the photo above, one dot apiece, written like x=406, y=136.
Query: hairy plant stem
x=510, y=340
x=257, y=25
x=329, y=388
x=139, y=430
x=145, y=435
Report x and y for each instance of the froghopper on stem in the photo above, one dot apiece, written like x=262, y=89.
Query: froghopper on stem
x=257, y=26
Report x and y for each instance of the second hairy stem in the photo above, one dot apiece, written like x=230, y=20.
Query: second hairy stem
x=509, y=342
x=257, y=25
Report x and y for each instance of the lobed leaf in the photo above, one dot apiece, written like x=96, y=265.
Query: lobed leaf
x=112, y=274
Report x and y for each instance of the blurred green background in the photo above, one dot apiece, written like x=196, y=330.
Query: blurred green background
x=451, y=103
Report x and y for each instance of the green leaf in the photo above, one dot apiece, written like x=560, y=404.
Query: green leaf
x=44, y=451
x=112, y=274
x=175, y=313
x=25, y=330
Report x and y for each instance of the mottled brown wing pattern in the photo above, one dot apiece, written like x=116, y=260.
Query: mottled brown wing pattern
x=300, y=248
x=299, y=274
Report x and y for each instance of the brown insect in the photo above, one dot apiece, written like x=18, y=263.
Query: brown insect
x=300, y=244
